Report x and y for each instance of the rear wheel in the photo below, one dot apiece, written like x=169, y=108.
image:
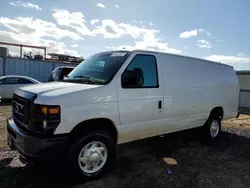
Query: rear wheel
x=212, y=129
x=92, y=155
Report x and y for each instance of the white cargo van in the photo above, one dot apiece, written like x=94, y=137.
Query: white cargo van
x=116, y=97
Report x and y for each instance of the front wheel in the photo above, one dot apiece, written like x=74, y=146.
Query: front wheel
x=92, y=155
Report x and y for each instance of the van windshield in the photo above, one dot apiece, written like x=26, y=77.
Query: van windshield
x=99, y=68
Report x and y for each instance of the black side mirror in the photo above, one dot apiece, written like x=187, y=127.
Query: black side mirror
x=132, y=78
x=128, y=79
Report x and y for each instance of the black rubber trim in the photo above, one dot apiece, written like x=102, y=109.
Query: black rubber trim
x=26, y=94
x=36, y=147
x=157, y=73
x=244, y=90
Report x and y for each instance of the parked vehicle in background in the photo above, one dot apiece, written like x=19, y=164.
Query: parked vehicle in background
x=9, y=83
x=59, y=73
x=117, y=97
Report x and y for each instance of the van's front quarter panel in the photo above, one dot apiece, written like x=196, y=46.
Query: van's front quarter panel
x=82, y=105
x=75, y=114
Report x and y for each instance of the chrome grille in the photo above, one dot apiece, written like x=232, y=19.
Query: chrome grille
x=20, y=110
x=22, y=107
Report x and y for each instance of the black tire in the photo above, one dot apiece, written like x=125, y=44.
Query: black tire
x=208, y=137
x=74, y=151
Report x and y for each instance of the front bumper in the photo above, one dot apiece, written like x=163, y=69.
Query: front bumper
x=34, y=147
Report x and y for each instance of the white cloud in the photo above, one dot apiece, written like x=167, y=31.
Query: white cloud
x=28, y=30
x=188, y=34
x=204, y=32
x=117, y=6
x=228, y=59
x=93, y=22
x=37, y=28
x=150, y=23
x=74, y=45
x=73, y=20
x=239, y=54
x=146, y=39
x=203, y=44
x=149, y=42
x=21, y=38
x=13, y=4
x=137, y=22
x=26, y=5
x=135, y=31
x=219, y=41
x=32, y=31
x=100, y=5
x=109, y=29
x=193, y=33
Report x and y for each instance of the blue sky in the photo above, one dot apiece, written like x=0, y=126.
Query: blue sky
x=217, y=30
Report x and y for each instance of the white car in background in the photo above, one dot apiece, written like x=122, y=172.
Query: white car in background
x=8, y=84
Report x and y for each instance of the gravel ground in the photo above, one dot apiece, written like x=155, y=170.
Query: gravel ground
x=142, y=164
x=5, y=111
x=240, y=126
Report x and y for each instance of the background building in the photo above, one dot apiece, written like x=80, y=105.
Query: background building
x=244, y=82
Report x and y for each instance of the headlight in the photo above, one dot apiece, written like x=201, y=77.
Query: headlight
x=46, y=118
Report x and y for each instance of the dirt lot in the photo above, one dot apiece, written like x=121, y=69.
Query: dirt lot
x=141, y=164
x=5, y=111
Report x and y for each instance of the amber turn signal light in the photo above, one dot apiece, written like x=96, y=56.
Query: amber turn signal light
x=53, y=110
x=44, y=110
x=50, y=110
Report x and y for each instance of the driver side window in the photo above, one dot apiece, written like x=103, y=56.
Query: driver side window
x=9, y=81
x=24, y=81
x=141, y=73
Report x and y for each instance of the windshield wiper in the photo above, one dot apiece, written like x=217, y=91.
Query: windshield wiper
x=81, y=77
x=85, y=78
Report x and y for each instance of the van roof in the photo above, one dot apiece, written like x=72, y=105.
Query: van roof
x=178, y=55
x=150, y=51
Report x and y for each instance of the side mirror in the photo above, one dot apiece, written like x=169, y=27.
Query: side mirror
x=128, y=79
x=132, y=78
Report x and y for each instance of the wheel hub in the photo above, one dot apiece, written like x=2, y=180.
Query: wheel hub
x=214, y=128
x=92, y=157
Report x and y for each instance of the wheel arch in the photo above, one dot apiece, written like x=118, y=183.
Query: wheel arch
x=217, y=112
x=91, y=125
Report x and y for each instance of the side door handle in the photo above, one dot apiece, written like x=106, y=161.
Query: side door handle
x=160, y=105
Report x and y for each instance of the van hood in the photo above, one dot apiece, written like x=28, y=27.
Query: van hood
x=57, y=88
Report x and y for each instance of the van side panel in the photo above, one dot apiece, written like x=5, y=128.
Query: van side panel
x=192, y=88
x=231, y=93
